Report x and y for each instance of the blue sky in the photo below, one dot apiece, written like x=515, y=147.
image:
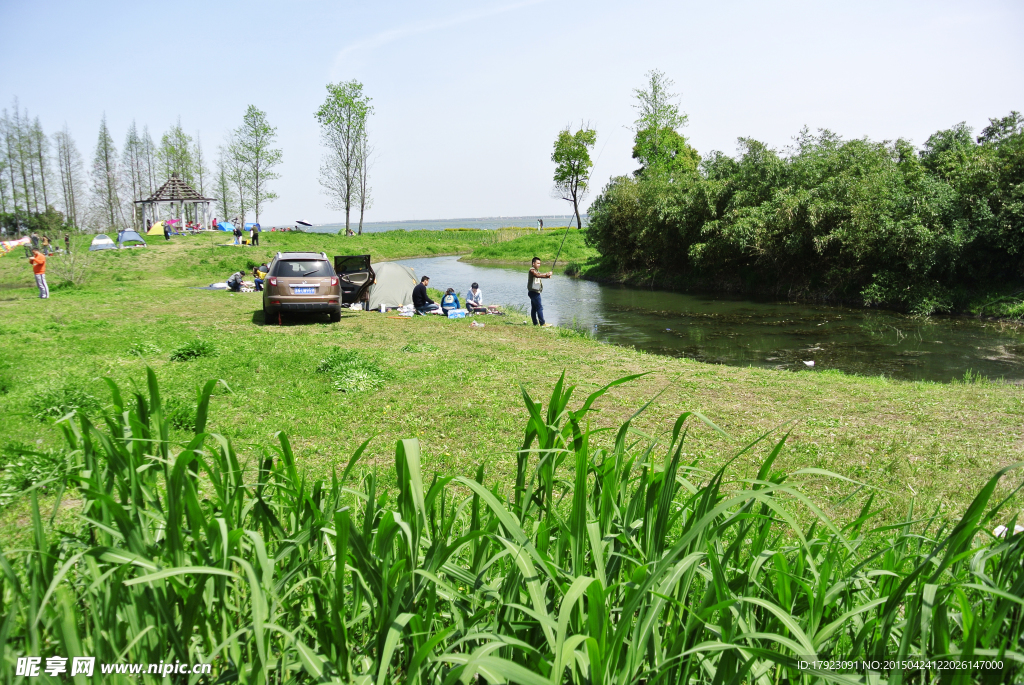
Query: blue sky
x=470, y=95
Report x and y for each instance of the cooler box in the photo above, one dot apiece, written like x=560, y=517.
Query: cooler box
x=457, y=314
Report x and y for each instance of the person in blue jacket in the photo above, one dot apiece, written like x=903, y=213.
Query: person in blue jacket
x=450, y=301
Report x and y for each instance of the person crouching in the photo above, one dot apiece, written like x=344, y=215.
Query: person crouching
x=420, y=300
x=235, y=282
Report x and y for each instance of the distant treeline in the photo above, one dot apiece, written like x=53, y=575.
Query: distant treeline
x=853, y=220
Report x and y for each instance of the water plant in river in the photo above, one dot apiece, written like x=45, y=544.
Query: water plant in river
x=613, y=563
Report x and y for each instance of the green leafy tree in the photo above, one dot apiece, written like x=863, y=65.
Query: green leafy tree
x=175, y=154
x=657, y=144
x=342, y=118
x=571, y=156
x=256, y=157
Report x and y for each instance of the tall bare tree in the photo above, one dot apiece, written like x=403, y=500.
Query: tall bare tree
x=342, y=118
x=254, y=141
x=40, y=145
x=201, y=173
x=105, y=181
x=365, y=197
x=9, y=141
x=133, y=170
x=237, y=176
x=149, y=156
x=225, y=193
x=72, y=180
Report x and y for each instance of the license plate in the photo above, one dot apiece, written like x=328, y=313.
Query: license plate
x=304, y=291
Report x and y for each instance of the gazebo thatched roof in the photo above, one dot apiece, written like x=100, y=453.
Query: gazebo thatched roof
x=175, y=190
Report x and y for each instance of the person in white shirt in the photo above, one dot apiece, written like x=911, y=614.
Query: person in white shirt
x=475, y=300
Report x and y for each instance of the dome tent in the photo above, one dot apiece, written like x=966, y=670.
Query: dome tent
x=129, y=237
x=393, y=285
x=102, y=242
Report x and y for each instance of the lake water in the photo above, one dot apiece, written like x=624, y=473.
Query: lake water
x=485, y=223
x=777, y=335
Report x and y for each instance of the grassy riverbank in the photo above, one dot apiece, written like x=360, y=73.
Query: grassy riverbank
x=521, y=248
x=454, y=387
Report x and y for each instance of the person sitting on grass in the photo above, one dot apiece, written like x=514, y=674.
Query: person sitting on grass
x=475, y=300
x=257, y=277
x=450, y=301
x=420, y=301
x=235, y=282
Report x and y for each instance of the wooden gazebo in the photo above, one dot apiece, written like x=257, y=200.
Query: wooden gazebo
x=174, y=192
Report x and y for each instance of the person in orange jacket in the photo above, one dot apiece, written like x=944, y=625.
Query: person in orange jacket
x=38, y=262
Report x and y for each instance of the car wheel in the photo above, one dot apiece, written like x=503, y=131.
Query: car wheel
x=335, y=317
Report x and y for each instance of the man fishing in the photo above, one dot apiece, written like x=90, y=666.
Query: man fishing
x=534, y=287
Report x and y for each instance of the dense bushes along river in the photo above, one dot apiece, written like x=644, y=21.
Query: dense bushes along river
x=855, y=220
x=619, y=562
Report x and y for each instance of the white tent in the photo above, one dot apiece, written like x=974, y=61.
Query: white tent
x=102, y=242
x=393, y=285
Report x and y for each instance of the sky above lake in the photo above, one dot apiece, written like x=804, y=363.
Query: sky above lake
x=469, y=96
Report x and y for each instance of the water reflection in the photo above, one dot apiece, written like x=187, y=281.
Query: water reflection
x=739, y=332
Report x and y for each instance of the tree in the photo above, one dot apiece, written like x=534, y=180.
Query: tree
x=365, y=198
x=658, y=117
x=225, y=194
x=175, y=154
x=105, y=180
x=133, y=168
x=572, y=173
x=9, y=136
x=40, y=145
x=237, y=176
x=199, y=165
x=69, y=162
x=253, y=142
x=342, y=118
x=149, y=158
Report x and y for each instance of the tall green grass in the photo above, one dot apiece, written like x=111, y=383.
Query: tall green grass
x=608, y=560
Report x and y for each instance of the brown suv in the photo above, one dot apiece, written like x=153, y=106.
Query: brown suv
x=302, y=282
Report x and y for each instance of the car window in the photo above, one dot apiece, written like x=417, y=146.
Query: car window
x=304, y=268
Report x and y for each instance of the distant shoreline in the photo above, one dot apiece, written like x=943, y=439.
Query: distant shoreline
x=482, y=223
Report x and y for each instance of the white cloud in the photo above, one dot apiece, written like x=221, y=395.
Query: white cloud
x=384, y=37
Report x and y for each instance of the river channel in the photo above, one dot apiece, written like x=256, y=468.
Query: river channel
x=740, y=332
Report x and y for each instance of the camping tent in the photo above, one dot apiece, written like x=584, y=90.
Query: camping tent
x=156, y=229
x=393, y=285
x=226, y=226
x=129, y=236
x=102, y=242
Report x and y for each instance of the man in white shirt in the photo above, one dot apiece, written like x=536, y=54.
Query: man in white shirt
x=475, y=300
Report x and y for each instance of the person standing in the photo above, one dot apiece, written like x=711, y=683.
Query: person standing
x=254, y=235
x=34, y=240
x=67, y=243
x=38, y=262
x=45, y=242
x=238, y=235
x=534, y=287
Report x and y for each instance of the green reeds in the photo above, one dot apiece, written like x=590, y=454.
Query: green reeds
x=619, y=562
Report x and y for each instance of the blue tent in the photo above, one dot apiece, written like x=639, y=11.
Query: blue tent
x=248, y=227
x=225, y=226
x=129, y=236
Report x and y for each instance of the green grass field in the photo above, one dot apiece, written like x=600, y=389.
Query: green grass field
x=280, y=550
x=454, y=387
